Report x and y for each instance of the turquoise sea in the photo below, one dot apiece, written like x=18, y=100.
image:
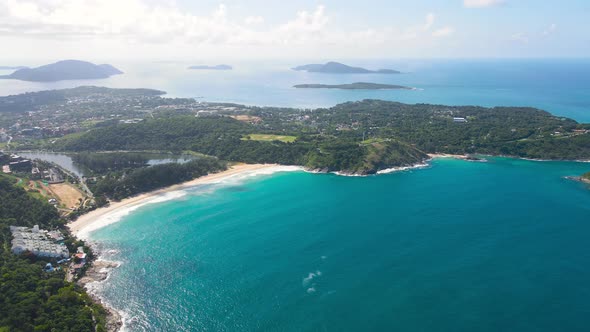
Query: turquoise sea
x=456, y=246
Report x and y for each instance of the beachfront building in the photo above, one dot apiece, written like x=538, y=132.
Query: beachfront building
x=37, y=242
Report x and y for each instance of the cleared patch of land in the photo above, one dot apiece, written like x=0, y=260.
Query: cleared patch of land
x=68, y=195
x=247, y=118
x=374, y=140
x=270, y=138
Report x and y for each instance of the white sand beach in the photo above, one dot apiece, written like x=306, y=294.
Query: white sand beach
x=102, y=216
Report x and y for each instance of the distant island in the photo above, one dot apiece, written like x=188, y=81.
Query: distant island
x=339, y=68
x=11, y=67
x=354, y=86
x=217, y=67
x=64, y=70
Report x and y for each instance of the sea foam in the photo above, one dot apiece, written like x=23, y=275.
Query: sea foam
x=118, y=214
x=403, y=168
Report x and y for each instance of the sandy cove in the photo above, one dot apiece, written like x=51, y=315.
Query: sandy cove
x=99, y=269
x=88, y=220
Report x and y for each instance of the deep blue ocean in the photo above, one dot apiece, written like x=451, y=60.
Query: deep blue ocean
x=457, y=246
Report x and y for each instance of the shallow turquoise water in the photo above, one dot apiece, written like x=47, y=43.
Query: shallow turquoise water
x=458, y=246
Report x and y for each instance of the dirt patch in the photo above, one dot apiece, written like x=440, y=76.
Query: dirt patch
x=68, y=195
x=247, y=118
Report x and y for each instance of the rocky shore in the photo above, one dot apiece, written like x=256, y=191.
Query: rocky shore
x=98, y=272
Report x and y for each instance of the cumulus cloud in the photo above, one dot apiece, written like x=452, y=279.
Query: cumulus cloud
x=481, y=3
x=150, y=23
x=306, y=26
x=250, y=20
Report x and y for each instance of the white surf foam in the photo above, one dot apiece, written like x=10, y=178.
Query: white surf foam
x=236, y=178
x=400, y=169
x=118, y=214
x=310, y=277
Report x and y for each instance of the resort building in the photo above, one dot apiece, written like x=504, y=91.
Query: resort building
x=37, y=242
x=459, y=120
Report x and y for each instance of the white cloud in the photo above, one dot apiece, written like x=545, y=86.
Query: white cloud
x=146, y=24
x=481, y=3
x=305, y=27
x=251, y=20
x=443, y=32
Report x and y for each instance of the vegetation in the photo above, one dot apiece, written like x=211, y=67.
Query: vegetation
x=29, y=101
x=357, y=137
x=119, y=185
x=586, y=176
x=100, y=163
x=31, y=299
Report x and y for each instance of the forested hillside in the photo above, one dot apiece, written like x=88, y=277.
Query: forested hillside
x=124, y=183
x=356, y=137
x=31, y=299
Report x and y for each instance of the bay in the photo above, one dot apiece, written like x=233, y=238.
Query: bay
x=458, y=246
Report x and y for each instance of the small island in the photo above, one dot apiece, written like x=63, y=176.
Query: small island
x=11, y=67
x=64, y=70
x=584, y=178
x=339, y=68
x=354, y=86
x=216, y=67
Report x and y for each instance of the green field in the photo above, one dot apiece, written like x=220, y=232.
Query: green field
x=269, y=138
x=374, y=140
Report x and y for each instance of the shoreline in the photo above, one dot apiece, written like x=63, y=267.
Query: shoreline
x=99, y=269
x=88, y=222
x=447, y=155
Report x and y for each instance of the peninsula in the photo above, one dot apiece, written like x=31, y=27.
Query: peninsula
x=339, y=68
x=64, y=70
x=354, y=86
x=216, y=67
x=363, y=137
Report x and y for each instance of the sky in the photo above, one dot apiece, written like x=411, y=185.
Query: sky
x=44, y=30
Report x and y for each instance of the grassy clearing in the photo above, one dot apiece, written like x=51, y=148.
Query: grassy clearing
x=270, y=138
x=373, y=140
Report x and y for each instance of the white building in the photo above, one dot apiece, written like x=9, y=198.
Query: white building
x=37, y=242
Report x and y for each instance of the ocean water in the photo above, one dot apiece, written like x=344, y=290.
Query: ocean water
x=456, y=246
x=560, y=86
